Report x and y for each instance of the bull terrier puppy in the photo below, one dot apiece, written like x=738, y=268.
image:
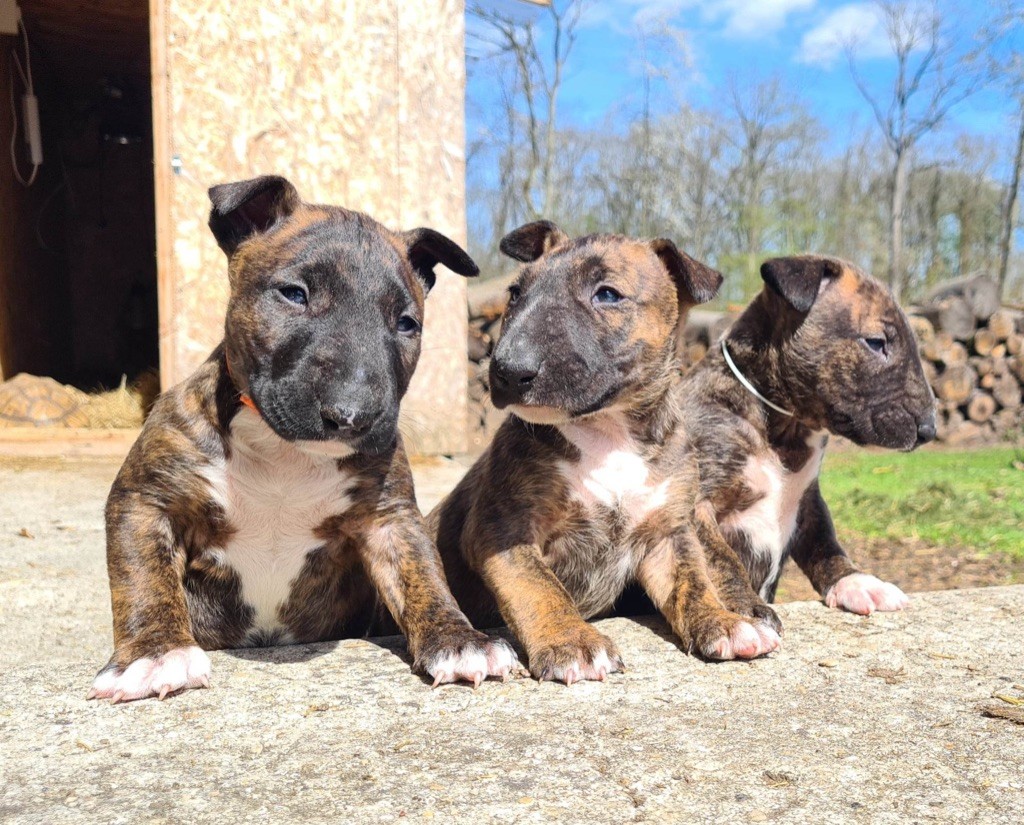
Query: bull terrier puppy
x=590, y=483
x=268, y=499
x=822, y=349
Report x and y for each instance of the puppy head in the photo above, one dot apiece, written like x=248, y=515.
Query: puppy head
x=848, y=358
x=591, y=323
x=325, y=313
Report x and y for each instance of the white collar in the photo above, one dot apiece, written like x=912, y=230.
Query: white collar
x=743, y=380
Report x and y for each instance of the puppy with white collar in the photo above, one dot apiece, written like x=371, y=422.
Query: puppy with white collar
x=824, y=348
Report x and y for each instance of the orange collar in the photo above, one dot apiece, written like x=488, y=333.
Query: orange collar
x=244, y=398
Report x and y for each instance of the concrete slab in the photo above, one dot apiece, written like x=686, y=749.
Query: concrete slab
x=870, y=720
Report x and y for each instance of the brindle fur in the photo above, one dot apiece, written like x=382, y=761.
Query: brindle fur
x=518, y=545
x=802, y=342
x=169, y=588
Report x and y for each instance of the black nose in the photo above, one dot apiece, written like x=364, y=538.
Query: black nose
x=347, y=422
x=926, y=432
x=513, y=377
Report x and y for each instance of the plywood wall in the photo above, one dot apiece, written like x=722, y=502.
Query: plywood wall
x=359, y=103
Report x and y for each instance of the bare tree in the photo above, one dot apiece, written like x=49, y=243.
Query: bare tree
x=974, y=198
x=928, y=82
x=530, y=92
x=1007, y=28
x=853, y=225
x=751, y=176
x=768, y=130
x=1009, y=212
x=699, y=198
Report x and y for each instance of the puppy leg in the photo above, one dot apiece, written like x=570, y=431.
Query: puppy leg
x=154, y=650
x=729, y=575
x=406, y=569
x=823, y=560
x=560, y=645
x=675, y=575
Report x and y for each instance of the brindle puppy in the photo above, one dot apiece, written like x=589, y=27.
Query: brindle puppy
x=268, y=499
x=590, y=483
x=828, y=350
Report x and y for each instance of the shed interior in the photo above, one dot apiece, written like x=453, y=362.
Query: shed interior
x=78, y=279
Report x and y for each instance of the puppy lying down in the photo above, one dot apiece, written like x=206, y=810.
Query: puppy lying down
x=591, y=483
x=268, y=499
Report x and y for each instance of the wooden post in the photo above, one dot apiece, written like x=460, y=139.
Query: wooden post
x=161, y=193
x=359, y=103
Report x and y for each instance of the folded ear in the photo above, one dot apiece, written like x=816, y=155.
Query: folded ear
x=798, y=279
x=427, y=248
x=697, y=283
x=530, y=241
x=249, y=207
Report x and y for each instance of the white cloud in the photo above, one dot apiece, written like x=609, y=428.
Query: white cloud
x=855, y=25
x=626, y=14
x=740, y=18
x=754, y=19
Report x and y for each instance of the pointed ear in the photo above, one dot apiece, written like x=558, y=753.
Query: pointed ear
x=797, y=279
x=248, y=208
x=427, y=248
x=697, y=283
x=530, y=241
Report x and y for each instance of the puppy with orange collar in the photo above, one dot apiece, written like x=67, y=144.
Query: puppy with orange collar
x=591, y=484
x=268, y=499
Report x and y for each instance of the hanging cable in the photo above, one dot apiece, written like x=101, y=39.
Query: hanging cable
x=29, y=111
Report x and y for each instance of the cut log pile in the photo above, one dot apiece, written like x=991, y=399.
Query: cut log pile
x=487, y=301
x=972, y=350
x=973, y=354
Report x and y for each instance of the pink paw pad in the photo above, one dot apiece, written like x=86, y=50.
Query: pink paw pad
x=474, y=664
x=746, y=641
x=864, y=594
x=178, y=669
x=583, y=671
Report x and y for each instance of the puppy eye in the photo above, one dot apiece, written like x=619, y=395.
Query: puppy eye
x=294, y=295
x=407, y=325
x=514, y=294
x=875, y=345
x=606, y=295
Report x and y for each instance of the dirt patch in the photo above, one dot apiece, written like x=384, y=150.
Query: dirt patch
x=915, y=566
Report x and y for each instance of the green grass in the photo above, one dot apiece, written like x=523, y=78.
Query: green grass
x=970, y=499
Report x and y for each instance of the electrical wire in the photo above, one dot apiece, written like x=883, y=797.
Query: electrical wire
x=26, y=81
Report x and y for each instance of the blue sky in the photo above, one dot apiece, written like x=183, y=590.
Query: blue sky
x=749, y=40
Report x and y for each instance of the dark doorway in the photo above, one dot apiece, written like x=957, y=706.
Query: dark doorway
x=78, y=297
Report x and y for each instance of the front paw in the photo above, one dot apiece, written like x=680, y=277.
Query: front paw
x=766, y=616
x=471, y=659
x=583, y=655
x=864, y=594
x=177, y=669
x=731, y=636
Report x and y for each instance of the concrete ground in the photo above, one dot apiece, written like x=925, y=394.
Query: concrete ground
x=872, y=720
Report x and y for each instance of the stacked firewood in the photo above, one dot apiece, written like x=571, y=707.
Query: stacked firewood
x=973, y=355
x=487, y=301
x=971, y=347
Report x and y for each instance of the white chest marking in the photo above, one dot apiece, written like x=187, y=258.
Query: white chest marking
x=611, y=470
x=769, y=522
x=275, y=495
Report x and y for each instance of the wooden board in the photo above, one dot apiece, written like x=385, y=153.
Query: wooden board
x=60, y=441
x=359, y=103
x=104, y=36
